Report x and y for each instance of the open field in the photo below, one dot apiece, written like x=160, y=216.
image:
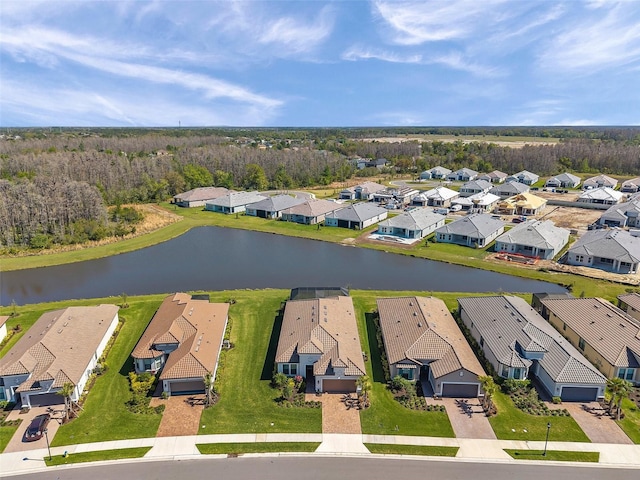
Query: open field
x=503, y=141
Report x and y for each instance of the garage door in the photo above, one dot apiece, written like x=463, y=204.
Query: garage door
x=464, y=390
x=579, y=394
x=46, y=400
x=187, y=388
x=339, y=386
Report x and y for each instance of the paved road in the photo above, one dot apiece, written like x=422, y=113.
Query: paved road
x=294, y=468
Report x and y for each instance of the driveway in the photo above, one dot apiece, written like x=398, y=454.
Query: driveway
x=596, y=424
x=467, y=418
x=16, y=444
x=181, y=415
x=336, y=416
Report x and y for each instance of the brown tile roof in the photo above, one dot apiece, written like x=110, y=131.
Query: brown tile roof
x=3, y=319
x=415, y=329
x=607, y=329
x=313, y=208
x=202, y=194
x=631, y=299
x=196, y=325
x=59, y=346
x=325, y=326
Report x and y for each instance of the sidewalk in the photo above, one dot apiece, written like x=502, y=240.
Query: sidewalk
x=611, y=455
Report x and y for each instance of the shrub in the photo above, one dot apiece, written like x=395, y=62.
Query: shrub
x=556, y=400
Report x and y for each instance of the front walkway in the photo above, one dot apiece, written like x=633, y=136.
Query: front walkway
x=467, y=418
x=595, y=423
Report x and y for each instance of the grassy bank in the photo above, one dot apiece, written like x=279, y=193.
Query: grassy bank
x=554, y=455
x=426, y=450
x=255, y=447
x=97, y=456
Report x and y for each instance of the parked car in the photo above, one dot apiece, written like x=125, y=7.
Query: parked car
x=456, y=208
x=36, y=428
x=519, y=219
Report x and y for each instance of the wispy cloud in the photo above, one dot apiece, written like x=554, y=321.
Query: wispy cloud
x=362, y=53
x=298, y=35
x=457, y=61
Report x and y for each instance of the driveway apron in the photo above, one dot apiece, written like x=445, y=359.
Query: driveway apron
x=467, y=418
x=181, y=415
x=595, y=423
x=16, y=443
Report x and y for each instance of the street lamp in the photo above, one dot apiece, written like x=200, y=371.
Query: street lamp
x=46, y=435
x=544, y=454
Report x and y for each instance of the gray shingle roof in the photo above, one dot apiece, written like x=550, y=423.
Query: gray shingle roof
x=601, y=193
x=600, y=180
x=617, y=244
x=536, y=233
x=313, y=208
x=509, y=189
x=566, y=178
x=277, y=203
x=439, y=170
x=201, y=194
x=417, y=219
x=509, y=325
x=622, y=210
x=497, y=174
x=358, y=212
x=477, y=185
x=477, y=225
x=235, y=199
x=525, y=174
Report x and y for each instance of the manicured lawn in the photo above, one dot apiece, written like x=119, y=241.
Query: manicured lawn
x=426, y=450
x=6, y=432
x=247, y=402
x=554, y=455
x=510, y=424
x=98, y=456
x=631, y=421
x=256, y=447
x=105, y=416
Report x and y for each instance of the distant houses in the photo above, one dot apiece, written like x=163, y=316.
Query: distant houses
x=509, y=189
x=475, y=230
x=533, y=238
x=477, y=203
x=357, y=216
x=610, y=250
x=310, y=212
x=364, y=191
x=414, y=224
x=493, y=177
x=272, y=207
x=526, y=177
x=234, y=202
x=436, y=197
x=631, y=186
x=462, y=175
x=564, y=180
x=436, y=173
x=599, y=181
x=198, y=197
x=475, y=186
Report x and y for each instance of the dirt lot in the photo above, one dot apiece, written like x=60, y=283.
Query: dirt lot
x=571, y=217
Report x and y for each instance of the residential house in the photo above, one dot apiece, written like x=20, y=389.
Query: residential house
x=623, y=215
x=564, y=180
x=310, y=212
x=401, y=196
x=601, y=196
x=520, y=344
x=493, y=177
x=416, y=224
x=379, y=163
x=606, y=335
x=526, y=177
x=436, y=173
x=475, y=230
x=475, y=186
x=478, y=203
x=182, y=343
x=509, y=189
x=359, y=162
x=363, y=191
x=234, y=202
x=272, y=207
x=614, y=251
x=3, y=327
x=534, y=238
x=198, y=197
x=62, y=346
x=599, y=181
x=357, y=216
x=462, y=175
x=631, y=186
x=522, y=204
x=319, y=341
x=436, y=197
x=630, y=303
x=422, y=340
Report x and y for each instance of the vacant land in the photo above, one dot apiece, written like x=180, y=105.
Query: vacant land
x=503, y=141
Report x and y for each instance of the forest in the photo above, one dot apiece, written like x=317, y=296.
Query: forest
x=61, y=186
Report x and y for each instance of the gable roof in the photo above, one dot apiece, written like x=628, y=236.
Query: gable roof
x=632, y=182
x=277, y=203
x=622, y=210
x=476, y=225
x=196, y=326
x=497, y=174
x=477, y=185
x=526, y=174
x=466, y=172
x=607, y=329
x=618, y=244
x=358, y=212
x=201, y=194
x=421, y=328
x=536, y=233
x=631, y=299
x=525, y=200
x=417, y=219
x=566, y=177
x=601, y=193
x=510, y=326
x=480, y=198
x=368, y=187
x=510, y=188
x=441, y=193
x=439, y=170
x=321, y=326
x=313, y=208
x=236, y=199
x=600, y=180
x=59, y=346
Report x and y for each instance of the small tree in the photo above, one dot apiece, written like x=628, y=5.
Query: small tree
x=626, y=387
x=208, y=388
x=365, y=387
x=489, y=386
x=66, y=391
x=614, y=387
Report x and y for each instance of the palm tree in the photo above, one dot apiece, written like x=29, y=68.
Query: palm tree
x=66, y=391
x=208, y=387
x=613, y=389
x=489, y=386
x=365, y=387
x=626, y=387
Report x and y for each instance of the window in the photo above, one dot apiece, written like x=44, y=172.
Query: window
x=579, y=258
x=581, y=343
x=406, y=373
x=517, y=373
x=290, y=368
x=2, y=395
x=626, y=373
x=504, y=371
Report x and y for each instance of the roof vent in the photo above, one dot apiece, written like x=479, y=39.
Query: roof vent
x=415, y=314
x=419, y=324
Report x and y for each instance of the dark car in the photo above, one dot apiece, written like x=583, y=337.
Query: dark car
x=36, y=428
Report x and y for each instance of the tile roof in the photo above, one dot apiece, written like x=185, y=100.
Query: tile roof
x=631, y=299
x=417, y=329
x=202, y=194
x=358, y=212
x=197, y=326
x=510, y=326
x=607, y=329
x=325, y=327
x=235, y=199
x=477, y=225
x=536, y=233
x=313, y=208
x=417, y=219
x=59, y=346
x=277, y=203
x=617, y=244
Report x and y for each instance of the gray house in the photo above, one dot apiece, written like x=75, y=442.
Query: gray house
x=509, y=189
x=519, y=343
x=478, y=203
x=475, y=186
x=630, y=186
x=198, y=197
x=475, y=230
x=436, y=197
x=610, y=250
x=423, y=341
x=534, y=238
x=234, y=202
x=273, y=207
x=364, y=191
x=493, y=177
x=564, y=180
x=310, y=212
x=623, y=215
x=526, y=177
x=599, y=181
x=357, y=216
x=417, y=223
x=462, y=175
x=601, y=196
x=437, y=173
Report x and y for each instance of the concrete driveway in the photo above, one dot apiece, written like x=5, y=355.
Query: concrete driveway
x=467, y=418
x=596, y=424
x=17, y=443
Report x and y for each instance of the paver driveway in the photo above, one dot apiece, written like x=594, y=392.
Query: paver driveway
x=596, y=424
x=336, y=417
x=16, y=444
x=181, y=415
x=467, y=418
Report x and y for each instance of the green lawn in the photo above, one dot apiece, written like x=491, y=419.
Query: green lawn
x=6, y=432
x=255, y=447
x=247, y=402
x=554, y=455
x=426, y=450
x=631, y=421
x=510, y=424
x=97, y=456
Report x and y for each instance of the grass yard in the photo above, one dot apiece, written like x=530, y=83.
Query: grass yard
x=425, y=450
x=631, y=421
x=97, y=456
x=256, y=447
x=6, y=432
x=247, y=402
x=510, y=424
x=554, y=455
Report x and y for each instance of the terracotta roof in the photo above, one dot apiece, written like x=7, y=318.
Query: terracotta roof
x=325, y=327
x=421, y=329
x=196, y=325
x=59, y=346
x=3, y=319
x=631, y=299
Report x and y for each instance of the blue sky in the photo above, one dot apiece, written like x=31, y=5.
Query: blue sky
x=315, y=63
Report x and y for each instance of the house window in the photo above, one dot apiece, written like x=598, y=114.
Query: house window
x=290, y=368
x=626, y=373
x=579, y=258
x=606, y=260
x=581, y=343
x=504, y=371
x=517, y=373
x=2, y=395
x=406, y=373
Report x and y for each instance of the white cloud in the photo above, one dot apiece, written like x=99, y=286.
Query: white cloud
x=296, y=35
x=361, y=53
x=457, y=61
